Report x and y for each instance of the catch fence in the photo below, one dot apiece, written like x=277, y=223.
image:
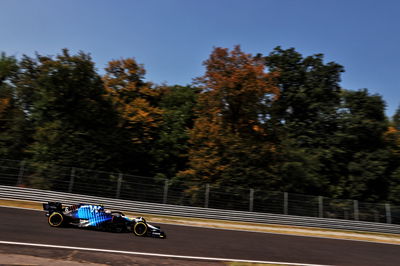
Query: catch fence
x=153, y=190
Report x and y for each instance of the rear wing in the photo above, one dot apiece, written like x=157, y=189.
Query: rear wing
x=52, y=207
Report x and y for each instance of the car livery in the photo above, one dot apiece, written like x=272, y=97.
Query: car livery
x=96, y=217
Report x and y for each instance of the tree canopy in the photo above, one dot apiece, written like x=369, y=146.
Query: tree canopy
x=280, y=121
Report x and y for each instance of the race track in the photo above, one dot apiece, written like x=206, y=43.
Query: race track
x=30, y=226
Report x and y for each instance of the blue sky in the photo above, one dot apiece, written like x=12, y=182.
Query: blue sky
x=173, y=37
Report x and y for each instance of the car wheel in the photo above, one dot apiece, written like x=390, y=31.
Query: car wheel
x=163, y=235
x=140, y=229
x=56, y=219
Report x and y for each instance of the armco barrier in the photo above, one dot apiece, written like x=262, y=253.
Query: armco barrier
x=195, y=212
x=192, y=193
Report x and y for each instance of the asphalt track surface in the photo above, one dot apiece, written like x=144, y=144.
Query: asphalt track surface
x=30, y=226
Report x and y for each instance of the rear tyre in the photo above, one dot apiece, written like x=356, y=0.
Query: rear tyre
x=56, y=219
x=140, y=229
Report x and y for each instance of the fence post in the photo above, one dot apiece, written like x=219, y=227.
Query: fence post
x=21, y=173
x=356, y=213
x=388, y=213
x=119, y=185
x=165, y=196
x=207, y=196
x=251, y=202
x=71, y=180
x=320, y=207
x=285, y=203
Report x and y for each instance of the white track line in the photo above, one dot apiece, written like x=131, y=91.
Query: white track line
x=153, y=254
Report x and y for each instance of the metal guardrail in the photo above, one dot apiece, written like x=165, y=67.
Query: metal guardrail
x=196, y=212
x=191, y=193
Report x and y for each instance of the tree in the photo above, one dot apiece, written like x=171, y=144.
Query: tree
x=73, y=123
x=229, y=141
x=396, y=119
x=392, y=140
x=136, y=102
x=15, y=131
x=309, y=95
x=171, y=146
x=365, y=154
x=305, y=119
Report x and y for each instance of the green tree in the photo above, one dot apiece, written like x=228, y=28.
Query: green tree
x=396, y=119
x=309, y=95
x=366, y=154
x=74, y=125
x=305, y=119
x=15, y=130
x=170, y=151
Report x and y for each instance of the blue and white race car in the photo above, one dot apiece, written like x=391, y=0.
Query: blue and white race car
x=96, y=217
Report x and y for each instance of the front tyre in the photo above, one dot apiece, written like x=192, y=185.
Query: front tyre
x=56, y=219
x=140, y=229
x=163, y=235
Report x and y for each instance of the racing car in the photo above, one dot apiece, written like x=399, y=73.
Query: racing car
x=97, y=217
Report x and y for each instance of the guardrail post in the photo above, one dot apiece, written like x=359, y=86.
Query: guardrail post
x=320, y=207
x=285, y=203
x=21, y=173
x=165, y=196
x=356, y=213
x=71, y=180
x=206, y=196
x=388, y=213
x=119, y=186
x=251, y=202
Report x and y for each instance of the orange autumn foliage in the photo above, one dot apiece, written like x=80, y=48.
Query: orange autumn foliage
x=4, y=104
x=392, y=137
x=232, y=114
x=237, y=88
x=132, y=98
